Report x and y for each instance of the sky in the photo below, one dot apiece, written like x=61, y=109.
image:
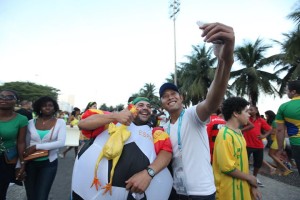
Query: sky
x=105, y=51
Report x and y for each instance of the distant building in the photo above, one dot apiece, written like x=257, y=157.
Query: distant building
x=66, y=102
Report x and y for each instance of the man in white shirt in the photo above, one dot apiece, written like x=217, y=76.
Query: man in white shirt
x=192, y=171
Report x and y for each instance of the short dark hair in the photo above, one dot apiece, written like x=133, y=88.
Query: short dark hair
x=233, y=104
x=12, y=91
x=294, y=85
x=37, y=105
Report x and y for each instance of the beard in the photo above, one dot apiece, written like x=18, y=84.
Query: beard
x=139, y=122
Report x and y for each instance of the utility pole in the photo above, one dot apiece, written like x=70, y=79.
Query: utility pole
x=174, y=10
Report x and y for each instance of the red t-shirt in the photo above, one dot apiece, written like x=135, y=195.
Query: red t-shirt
x=213, y=127
x=251, y=136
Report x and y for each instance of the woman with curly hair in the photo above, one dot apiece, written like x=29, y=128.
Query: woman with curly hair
x=44, y=133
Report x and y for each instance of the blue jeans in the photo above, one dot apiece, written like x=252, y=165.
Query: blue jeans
x=39, y=179
x=296, y=155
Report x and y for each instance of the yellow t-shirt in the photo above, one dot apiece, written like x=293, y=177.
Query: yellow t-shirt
x=230, y=153
x=75, y=120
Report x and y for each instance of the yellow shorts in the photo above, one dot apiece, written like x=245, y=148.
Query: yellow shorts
x=275, y=145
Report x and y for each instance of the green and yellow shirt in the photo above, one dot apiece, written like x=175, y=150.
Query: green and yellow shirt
x=289, y=114
x=230, y=153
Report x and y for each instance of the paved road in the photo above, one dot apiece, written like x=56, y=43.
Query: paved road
x=62, y=184
x=273, y=190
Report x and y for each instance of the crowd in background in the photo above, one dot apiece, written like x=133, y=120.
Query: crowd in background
x=259, y=133
x=27, y=128
x=184, y=138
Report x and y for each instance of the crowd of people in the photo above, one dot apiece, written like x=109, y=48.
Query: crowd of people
x=197, y=153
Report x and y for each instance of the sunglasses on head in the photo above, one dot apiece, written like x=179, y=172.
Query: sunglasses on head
x=8, y=97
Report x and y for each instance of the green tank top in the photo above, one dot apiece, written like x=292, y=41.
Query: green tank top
x=42, y=134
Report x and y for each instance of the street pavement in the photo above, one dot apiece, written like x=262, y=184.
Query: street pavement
x=273, y=190
x=61, y=187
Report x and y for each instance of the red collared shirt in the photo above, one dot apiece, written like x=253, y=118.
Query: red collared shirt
x=251, y=135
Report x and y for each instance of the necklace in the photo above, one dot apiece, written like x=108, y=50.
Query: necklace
x=45, y=121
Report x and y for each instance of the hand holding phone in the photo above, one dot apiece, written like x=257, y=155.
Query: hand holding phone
x=200, y=24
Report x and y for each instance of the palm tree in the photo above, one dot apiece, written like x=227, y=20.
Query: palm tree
x=289, y=59
x=251, y=79
x=119, y=107
x=196, y=75
x=104, y=107
x=287, y=62
x=149, y=92
x=179, y=84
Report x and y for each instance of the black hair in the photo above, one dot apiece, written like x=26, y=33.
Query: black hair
x=130, y=99
x=271, y=116
x=12, y=91
x=233, y=104
x=294, y=85
x=89, y=105
x=37, y=105
x=75, y=109
x=257, y=112
x=218, y=112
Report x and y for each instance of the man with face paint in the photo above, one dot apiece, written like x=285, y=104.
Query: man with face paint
x=141, y=171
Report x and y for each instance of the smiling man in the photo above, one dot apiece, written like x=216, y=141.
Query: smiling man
x=140, y=172
x=192, y=171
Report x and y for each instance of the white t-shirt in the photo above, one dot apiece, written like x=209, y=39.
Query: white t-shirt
x=163, y=120
x=195, y=153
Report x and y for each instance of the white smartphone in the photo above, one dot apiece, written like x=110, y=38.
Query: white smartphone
x=201, y=23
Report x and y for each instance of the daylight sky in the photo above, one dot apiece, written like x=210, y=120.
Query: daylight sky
x=104, y=51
